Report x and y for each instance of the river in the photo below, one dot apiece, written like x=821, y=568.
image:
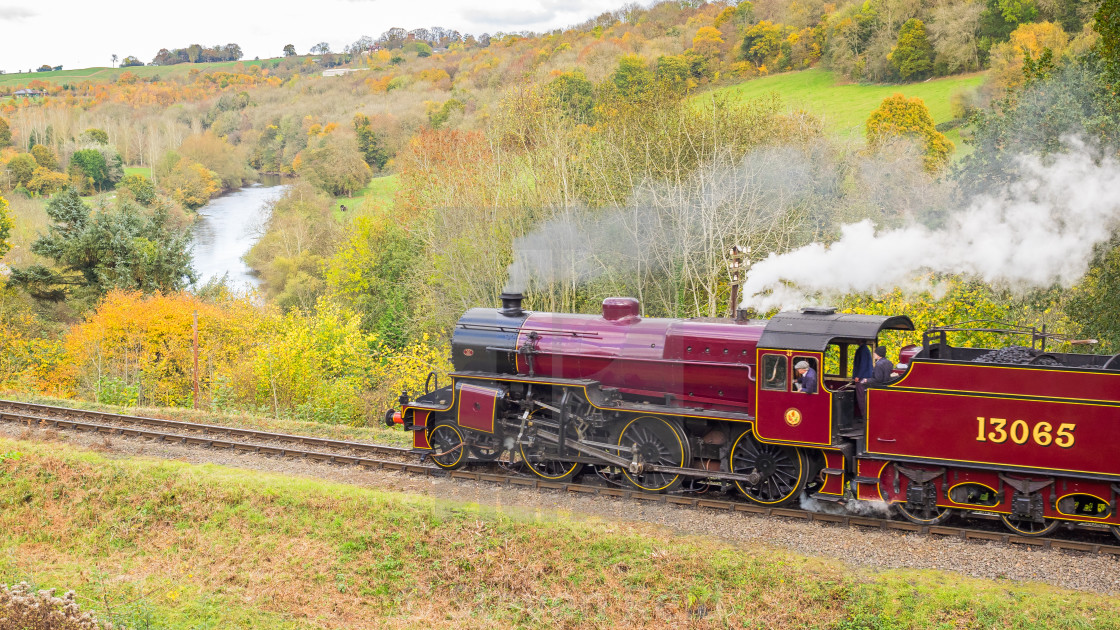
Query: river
x=227, y=227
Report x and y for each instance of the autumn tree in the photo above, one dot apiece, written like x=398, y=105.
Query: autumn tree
x=336, y=166
x=44, y=157
x=373, y=272
x=140, y=188
x=5, y=133
x=289, y=50
x=1026, y=41
x=762, y=42
x=299, y=235
x=124, y=247
x=953, y=28
x=370, y=143
x=5, y=227
x=217, y=155
x=909, y=118
x=189, y=183
x=46, y=182
x=708, y=41
x=21, y=169
x=572, y=94
x=633, y=79
x=95, y=136
x=912, y=56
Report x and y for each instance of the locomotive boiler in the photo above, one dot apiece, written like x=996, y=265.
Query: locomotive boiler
x=671, y=405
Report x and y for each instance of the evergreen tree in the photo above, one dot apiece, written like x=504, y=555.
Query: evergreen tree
x=912, y=56
x=1108, y=46
x=126, y=247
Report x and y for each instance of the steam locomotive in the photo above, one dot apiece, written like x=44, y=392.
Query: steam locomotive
x=668, y=405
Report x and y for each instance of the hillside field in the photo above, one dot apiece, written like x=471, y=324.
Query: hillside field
x=844, y=107
x=108, y=75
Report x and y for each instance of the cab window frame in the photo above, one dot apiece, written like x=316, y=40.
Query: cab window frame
x=771, y=363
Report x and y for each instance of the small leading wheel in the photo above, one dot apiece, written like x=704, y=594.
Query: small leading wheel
x=450, y=450
x=545, y=465
x=783, y=470
x=925, y=515
x=654, y=441
x=1029, y=527
x=485, y=447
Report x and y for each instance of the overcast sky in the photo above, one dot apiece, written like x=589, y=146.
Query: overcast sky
x=85, y=33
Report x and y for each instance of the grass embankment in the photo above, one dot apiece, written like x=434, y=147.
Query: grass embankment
x=205, y=547
x=108, y=75
x=375, y=433
x=844, y=108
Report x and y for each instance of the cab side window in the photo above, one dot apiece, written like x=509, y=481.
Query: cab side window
x=807, y=387
x=774, y=372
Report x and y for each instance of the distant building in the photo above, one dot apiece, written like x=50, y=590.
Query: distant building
x=337, y=72
x=28, y=93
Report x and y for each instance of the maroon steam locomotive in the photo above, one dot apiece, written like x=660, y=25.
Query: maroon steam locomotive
x=671, y=404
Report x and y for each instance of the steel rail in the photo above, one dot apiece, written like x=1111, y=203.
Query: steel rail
x=48, y=410
x=526, y=481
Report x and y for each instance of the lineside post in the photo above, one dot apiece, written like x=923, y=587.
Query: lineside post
x=195, y=330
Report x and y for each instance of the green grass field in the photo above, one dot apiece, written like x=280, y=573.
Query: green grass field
x=105, y=75
x=146, y=171
x=381, y=190
x=844, y=108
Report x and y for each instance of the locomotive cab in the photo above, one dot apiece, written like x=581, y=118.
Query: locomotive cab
x=831, y=349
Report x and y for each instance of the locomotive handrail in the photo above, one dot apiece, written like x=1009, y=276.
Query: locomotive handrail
x=541, y=331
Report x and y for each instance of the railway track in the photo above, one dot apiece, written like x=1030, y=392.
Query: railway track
x=354, y=453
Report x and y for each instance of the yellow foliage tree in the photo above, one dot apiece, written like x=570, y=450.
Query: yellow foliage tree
x=708, y=41
x=901, y=117
x=191, y=184
x=1029, y=39
x=135, y=345
x=47, y=182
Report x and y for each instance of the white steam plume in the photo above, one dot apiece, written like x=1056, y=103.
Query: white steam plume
x=1035, y=232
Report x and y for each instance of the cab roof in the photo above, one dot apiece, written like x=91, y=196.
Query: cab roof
x=815, y=328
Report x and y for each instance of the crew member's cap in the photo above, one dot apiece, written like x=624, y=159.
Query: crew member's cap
x=801, y=365
x=881, y=351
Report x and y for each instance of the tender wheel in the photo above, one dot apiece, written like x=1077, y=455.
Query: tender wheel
x=1028, y=527
x=783, y=470
x=450, y=451
x=654, y=441
x=925, y=516
x=485, y=447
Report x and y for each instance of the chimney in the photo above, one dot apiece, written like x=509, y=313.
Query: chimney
x=511, y=304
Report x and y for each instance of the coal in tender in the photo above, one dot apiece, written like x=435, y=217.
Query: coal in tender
x=1020, y=355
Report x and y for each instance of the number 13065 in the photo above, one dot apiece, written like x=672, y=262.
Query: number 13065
x=998, y=430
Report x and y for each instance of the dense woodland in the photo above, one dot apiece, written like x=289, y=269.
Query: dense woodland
x=596, y=151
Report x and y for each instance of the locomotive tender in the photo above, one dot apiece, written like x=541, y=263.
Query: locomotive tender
x=671, y=404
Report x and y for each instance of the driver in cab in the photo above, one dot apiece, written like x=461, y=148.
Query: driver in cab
x=806, y=378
